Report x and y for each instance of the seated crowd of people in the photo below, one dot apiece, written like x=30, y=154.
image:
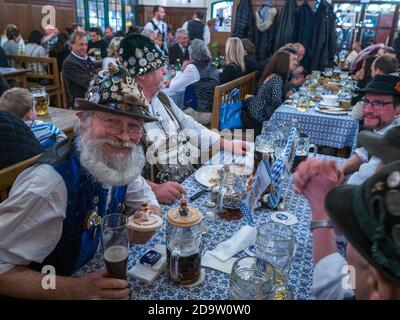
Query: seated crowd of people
x=133, y=144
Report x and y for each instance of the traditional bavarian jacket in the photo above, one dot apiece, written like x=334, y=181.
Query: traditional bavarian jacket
x=51, y=216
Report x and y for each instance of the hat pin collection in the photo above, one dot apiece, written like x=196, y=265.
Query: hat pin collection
x=392, y=197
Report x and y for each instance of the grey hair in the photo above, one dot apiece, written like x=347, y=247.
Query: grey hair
x=78, y=127
x=149, y=33
x=77, y=35
x=181, y=31
x=198, y=51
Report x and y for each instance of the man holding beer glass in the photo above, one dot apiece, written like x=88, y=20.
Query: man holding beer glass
x=53, y=213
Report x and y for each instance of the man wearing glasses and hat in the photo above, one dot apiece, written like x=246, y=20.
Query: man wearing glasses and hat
x=54, y=208
x=381, y=109
x=172, y=142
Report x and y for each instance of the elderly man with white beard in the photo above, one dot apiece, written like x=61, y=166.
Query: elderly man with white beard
x=54, y=208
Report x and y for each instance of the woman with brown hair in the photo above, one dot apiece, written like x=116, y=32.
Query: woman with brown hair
x=234, y=57
x=270, y=93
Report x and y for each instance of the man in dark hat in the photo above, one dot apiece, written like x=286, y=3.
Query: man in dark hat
x=172, y=142
x=386, y=147
x=54, y=209
x=369, y=217
x=381, y=109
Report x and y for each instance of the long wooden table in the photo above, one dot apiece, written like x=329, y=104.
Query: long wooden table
x=64, y=119
x=18, y=75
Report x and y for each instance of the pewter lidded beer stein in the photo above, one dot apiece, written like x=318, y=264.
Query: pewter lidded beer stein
x=184, y=244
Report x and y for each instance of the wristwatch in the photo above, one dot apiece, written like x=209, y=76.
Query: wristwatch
x=315, y=224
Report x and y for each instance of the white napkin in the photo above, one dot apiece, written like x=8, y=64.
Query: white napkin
x=220, y=258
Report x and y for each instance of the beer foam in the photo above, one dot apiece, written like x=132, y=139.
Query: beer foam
x=116, y=254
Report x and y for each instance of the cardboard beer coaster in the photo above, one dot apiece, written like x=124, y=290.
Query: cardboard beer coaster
x=284, y=217
x=201, y=279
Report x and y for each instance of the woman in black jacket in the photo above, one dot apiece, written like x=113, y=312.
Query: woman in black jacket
x=234, y=57
x=270, y=93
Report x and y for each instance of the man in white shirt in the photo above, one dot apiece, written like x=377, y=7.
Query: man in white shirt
x=197, y=28
x=381, y=109
x=368, y=216
x=158, y=24
x=53, y=213
x=356, y=47
x=173, y=141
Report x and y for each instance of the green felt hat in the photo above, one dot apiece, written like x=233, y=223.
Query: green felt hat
x=140, y=55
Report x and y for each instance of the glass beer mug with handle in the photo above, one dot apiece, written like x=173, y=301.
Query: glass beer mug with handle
x=231, y=191
x=303, y=148
x=184, y=233
x=41, y=100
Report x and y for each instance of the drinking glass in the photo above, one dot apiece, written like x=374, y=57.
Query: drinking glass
x=275, y=243
x=114, y=234
x=41, y=100
x=252, y=278
x=264, y=148
x=303, y=103
x=303, y=148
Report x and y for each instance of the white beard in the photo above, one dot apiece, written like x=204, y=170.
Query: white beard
x=114, y=170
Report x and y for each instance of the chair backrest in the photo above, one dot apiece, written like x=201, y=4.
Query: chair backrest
x=65, y=93
x=40, y=68
x=246, y=84
x=9, y=174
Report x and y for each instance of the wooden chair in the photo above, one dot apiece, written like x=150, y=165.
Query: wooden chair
x=246, y=84
x=66, y=103
x=40, y=68
x=9, y=174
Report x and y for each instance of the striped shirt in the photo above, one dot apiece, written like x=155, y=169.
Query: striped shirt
x=47, y=133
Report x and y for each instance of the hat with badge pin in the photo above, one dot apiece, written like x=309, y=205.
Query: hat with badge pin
x=386, y=147
x=140, y=55
x=369, y=217
x=114, y=90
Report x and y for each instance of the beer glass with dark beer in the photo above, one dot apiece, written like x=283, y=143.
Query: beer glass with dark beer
x=114, y=232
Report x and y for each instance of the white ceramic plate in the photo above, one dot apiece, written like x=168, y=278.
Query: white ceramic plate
x=330, y=110
x=208, y=175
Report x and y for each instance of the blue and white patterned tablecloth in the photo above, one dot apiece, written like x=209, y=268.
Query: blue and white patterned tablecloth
x=337, y=131
x=216, y=284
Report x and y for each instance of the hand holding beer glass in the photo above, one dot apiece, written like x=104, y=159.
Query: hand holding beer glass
x=114, y=234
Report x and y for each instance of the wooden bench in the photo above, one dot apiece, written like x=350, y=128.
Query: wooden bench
x=40, y=69
x=9, y=174
x=246, y=84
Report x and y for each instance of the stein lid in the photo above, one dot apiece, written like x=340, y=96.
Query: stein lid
x=192, y=218
x=147, y=222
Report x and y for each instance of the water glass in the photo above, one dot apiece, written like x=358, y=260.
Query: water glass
x=252, y=278
x=328, y=72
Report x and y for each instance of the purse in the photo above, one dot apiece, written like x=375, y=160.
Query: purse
x=230, y=112
x=265, y=16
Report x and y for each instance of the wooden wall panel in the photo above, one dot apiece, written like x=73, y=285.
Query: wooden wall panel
x=27, y=16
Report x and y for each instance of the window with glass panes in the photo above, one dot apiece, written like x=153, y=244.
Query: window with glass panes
x=119, y=14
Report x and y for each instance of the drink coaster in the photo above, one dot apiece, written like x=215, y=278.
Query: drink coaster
x=201, y=279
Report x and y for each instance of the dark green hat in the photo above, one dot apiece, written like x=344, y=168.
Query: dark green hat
x=114, y=90
x=386, y=147
x=140, y=55
x=369, y=217
x=383, y=84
